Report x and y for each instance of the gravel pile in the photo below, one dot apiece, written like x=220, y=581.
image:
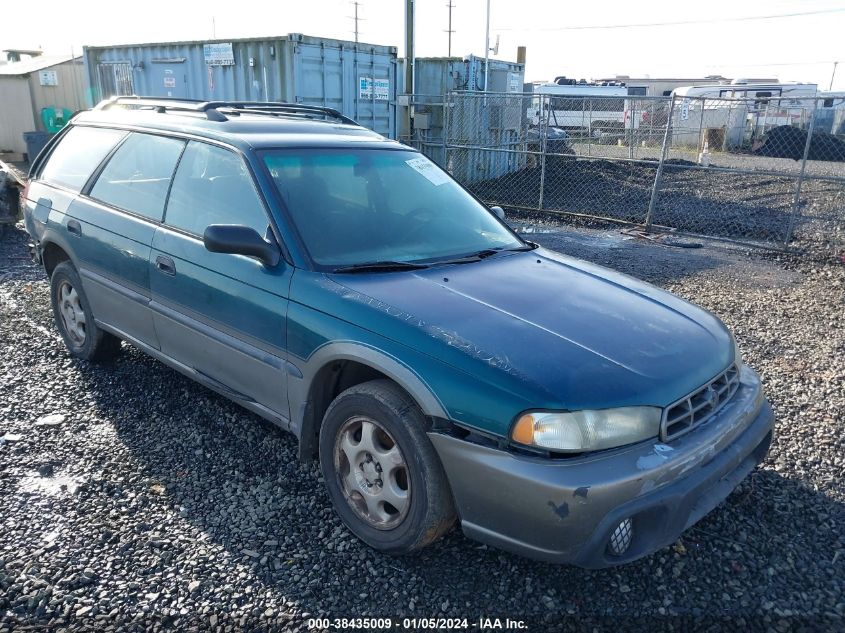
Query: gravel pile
x=131, y=498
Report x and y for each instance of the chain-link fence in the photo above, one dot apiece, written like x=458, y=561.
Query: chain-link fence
x=767, y=170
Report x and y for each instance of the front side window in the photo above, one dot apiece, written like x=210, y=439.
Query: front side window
x=213, y=186
x=358, y=206
x=78, y=154
x=138, y=176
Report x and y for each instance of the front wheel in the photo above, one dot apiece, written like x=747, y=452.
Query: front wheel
x=382, y=473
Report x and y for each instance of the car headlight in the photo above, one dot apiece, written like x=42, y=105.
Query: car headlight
x=581, y=431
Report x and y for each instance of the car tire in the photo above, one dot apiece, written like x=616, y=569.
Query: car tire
x=367, y=494
x=74, y=319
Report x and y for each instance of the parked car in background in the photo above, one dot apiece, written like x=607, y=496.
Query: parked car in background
x=439, y=367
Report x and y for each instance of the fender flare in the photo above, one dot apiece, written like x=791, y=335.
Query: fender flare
x=51, y=236
x=300, y=386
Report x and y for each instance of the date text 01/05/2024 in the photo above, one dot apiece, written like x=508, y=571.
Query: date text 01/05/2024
x=416, y=624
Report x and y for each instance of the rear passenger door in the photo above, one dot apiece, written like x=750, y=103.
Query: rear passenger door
x=222, y=315
x=116, y=218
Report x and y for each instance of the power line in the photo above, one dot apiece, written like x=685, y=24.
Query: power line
x=817, y=63
x=749, y=18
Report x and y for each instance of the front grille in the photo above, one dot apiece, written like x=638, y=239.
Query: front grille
x=699, y=406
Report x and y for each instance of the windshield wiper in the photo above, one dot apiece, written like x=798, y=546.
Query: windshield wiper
x=381, y=266
x=484, y=254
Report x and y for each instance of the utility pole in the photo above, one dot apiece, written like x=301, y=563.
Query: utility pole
x=449, y=30
x=356, y=20
x=832, y=75
x=410, y=6
x=487, y=48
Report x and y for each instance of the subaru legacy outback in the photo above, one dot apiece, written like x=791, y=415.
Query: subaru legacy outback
x=439, y=367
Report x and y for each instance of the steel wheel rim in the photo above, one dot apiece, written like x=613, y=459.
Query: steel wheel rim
x=71, y=312
x=372, y=473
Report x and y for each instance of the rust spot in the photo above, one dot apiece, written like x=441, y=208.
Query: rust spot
x=562, y=510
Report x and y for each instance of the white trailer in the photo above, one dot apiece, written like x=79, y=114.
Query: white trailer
x=767, y=105
x=591, y=110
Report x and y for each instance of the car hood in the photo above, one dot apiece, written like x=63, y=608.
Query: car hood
x=574, y=334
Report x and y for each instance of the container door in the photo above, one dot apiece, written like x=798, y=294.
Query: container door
x=359, y=83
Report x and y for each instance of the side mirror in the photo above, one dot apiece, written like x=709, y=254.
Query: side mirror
x=240, y=240
x=499, y=212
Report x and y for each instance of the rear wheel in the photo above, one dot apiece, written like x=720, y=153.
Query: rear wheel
x=382, y=473
x=73, y=317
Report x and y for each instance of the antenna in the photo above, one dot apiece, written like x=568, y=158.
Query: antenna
x=449, y=30
x=495, y=49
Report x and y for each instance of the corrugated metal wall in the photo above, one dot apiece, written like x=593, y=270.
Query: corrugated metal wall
x=357, y=79
x=15, y=112
x=69, y=91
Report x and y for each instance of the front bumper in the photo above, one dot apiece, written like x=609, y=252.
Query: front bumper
x=565, y=510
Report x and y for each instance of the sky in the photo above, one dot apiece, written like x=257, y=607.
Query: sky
x=725, y=37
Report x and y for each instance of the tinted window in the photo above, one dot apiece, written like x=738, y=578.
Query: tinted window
x=78, y=154
x=138, y=176
x=213, y=186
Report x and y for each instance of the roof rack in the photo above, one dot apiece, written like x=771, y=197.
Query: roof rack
x=212, y=109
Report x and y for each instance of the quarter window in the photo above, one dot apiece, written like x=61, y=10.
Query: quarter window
x=78, y=154
x=138, y=176
x=213, y=186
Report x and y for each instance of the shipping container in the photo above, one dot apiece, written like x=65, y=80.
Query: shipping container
x=493, y=121
x=357, y=79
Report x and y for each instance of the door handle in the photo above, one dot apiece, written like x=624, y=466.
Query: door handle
x=74, y=227
x=165, y=265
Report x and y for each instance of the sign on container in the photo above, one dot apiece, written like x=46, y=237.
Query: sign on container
x=219, y=54
x=377, y=90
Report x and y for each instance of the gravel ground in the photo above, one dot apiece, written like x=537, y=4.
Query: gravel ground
x=738, y=205
x=132, y=498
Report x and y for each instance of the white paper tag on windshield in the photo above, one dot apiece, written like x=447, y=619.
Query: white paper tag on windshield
x=429, y=170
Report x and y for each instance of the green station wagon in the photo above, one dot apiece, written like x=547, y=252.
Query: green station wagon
x=441, y=368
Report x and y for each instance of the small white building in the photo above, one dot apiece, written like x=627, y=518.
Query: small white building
x=42, y=87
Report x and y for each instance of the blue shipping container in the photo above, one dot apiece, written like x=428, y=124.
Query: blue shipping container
x=357, y=79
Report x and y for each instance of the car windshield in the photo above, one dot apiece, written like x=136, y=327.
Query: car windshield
x=355, y=207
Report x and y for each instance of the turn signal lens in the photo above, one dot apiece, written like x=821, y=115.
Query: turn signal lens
x=523, y=432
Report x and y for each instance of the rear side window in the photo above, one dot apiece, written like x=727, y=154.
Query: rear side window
x=213, y=186
x=138, y=175
x=78, y=154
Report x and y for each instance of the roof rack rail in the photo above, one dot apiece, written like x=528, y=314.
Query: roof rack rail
x=212, y=108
